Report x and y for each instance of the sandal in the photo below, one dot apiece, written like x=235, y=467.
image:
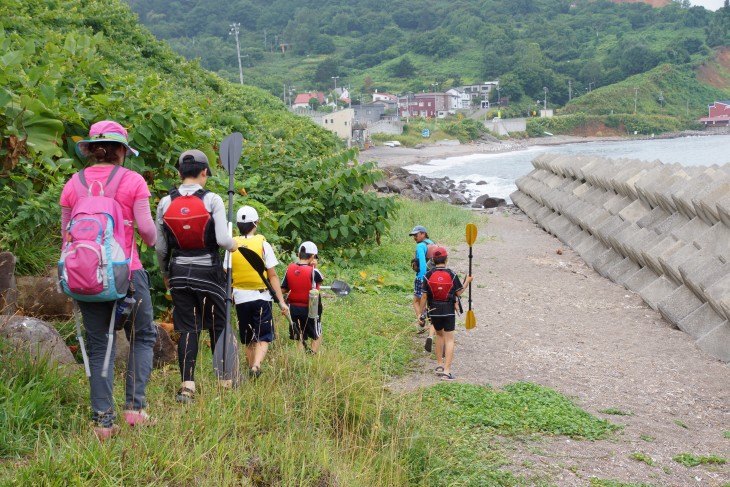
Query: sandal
x=439, y=371
x=448, y=377
x=255, y=371
x=185, y=395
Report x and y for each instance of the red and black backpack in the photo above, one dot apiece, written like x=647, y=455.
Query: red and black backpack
x=189, y=225
x=441, y=283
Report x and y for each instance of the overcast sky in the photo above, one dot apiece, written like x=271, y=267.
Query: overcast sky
x=708, y=4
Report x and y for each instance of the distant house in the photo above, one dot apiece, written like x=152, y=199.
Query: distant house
x=384, y=97
x=426, y=105
x=460, y=99
x=368, y=113
x=719, y=115
x=302, y=99
x=482, y=89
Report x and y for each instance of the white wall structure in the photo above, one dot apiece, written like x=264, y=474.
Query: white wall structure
x=660, y=230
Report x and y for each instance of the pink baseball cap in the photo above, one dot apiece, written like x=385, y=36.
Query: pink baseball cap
x=105, y=131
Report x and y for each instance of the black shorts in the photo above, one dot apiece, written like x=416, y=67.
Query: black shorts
x=445, y=323
x=255, y=321
x=302, y=326
x=198, y=298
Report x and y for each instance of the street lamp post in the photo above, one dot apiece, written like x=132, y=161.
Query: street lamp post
x=235, y=29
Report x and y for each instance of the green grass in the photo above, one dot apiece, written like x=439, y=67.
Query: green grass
x=519, y=408
x=615, y=412
x=307, y=421
x=689, y=460
x=596, y=482
x=643, y=457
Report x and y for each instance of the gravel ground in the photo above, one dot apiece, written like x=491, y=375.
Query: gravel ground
x=543, y=316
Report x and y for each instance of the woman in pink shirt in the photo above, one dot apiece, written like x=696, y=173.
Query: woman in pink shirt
x=106, y=148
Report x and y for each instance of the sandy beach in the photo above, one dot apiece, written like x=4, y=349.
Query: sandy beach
x=404, y=156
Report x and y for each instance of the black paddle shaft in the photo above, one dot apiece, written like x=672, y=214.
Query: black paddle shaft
x=230, y=153
x=470, y=256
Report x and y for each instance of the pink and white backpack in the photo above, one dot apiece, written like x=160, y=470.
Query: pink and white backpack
x=93, y=266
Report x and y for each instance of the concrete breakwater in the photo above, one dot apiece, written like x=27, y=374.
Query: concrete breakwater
x=660, y=230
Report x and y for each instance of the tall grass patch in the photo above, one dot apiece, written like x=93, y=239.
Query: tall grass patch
x=36, y=401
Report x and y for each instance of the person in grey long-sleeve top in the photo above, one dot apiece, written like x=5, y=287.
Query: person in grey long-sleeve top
x=191, y=229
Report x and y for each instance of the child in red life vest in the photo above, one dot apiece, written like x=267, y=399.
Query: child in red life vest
x=301, y=278
x=443, y=288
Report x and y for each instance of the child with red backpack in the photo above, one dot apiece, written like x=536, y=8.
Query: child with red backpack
x=100, y=264
x=191, y=227
x=306, y=313
x=443, y=288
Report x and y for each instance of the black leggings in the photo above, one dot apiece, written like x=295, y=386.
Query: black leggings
x=187, y=351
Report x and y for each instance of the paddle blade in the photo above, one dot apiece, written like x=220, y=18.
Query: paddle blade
x=471, y=234
x=230, y=151
x=226, y=359
x=340, y=288
x=255, y=260
x=471, y=321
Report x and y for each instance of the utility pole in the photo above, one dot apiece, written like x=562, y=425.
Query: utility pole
x=335, y=78
x=235, y=29
x=661, y=99
x=570, y=90
x=544, y=101
x=636, y=97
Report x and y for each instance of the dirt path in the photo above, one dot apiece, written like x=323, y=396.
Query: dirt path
x=547, y=318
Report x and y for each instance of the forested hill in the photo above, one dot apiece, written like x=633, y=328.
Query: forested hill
x=568, y=46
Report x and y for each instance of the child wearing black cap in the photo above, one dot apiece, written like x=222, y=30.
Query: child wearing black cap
x=443, y=288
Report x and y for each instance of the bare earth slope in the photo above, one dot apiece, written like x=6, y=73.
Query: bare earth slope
x=545, y=317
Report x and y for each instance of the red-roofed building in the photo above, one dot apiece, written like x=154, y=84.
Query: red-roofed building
x=302, y=99
x=719, y=115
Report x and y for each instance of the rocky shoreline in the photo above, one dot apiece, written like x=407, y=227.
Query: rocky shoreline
x=423, y=188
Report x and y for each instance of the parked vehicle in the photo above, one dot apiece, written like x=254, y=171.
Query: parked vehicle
x=391, y=143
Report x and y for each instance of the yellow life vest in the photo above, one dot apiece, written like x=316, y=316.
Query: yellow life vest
x=244, y=276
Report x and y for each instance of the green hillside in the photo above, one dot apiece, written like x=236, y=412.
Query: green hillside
x=569, y=47
x=66, y=64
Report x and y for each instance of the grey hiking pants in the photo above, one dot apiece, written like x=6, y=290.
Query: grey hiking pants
x=142, y=335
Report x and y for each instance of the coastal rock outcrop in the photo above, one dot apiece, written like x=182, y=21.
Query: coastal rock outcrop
x=423, y=188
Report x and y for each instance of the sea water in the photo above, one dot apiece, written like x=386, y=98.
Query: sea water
x=495, y=174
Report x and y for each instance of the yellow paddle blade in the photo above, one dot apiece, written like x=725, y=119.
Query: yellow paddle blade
x=471, y=234
x=471, y=321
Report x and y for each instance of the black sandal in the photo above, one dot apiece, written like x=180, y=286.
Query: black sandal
x=185, y=395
